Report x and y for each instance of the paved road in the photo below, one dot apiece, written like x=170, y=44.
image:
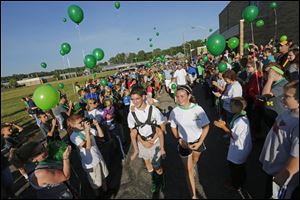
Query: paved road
x=130, y=180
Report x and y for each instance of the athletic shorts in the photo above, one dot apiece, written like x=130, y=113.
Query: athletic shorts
x=186, y=152
x=152, y=153
x=167, y=83
x=97, y=174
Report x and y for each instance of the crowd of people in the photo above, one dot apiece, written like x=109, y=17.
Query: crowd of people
x=256, y=98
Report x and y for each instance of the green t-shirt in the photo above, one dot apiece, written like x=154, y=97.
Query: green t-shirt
x=200, y=69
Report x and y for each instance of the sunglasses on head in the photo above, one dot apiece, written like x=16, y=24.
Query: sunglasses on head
x=40, y=150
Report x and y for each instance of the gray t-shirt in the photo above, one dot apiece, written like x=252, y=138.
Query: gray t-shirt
x=275, y=103
x=281, y=143
x=60, y=114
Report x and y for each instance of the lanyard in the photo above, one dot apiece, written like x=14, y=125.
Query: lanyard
x=235, y=117
x=277, y=82
x=190, y=107
x=46, y=162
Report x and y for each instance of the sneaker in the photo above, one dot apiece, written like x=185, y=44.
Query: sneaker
x=228, y=186
x=240, y=192
x=154, y=187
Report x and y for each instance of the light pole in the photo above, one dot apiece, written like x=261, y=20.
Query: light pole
x=190, y=49
x=183, y=43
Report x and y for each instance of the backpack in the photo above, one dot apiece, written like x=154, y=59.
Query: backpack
x=139, y=124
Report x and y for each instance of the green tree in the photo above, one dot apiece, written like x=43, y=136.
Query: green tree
x=156, y=52
x=141, y=56
x=13, y=83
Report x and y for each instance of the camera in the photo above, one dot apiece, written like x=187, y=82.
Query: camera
x=88, y=120
x=263, y=98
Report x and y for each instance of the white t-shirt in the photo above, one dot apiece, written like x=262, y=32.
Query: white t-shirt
x=180, y=76
x=96, y=114
x=240, y=142
x=232, y=90
x=189, y=121
x=142, y=117
x=89, y=158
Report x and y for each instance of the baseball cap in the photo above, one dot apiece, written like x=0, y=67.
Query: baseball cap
x=283, y=42
x=276, y=69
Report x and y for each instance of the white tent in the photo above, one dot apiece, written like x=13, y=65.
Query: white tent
x=179, y=55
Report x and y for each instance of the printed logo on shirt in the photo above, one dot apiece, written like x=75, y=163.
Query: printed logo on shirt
x=197, y=117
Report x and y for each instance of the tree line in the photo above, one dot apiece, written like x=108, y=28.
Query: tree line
x=120, y=58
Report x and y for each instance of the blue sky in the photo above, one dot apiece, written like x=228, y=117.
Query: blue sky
x=32, y=32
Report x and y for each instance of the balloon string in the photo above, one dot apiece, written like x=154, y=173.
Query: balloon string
x=256, y=73
x=68, y=61
x=275, y=23
x=252, y=35
x=79, y=33
x=63, y=60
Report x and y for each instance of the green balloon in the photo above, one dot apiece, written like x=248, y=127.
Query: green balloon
x=154, y=28
x=103, y=82
x=94, y=75
x=283, y=38
x=77, y=107
x=45, y=97
x=150, y=39
x=204, y=58
x=56, y=150
x=61, y=86
x=43, y=65
x=66, y=47
x=117, y=4
x=75, y=13
x=62, y=52
x=250, y=13
x=222, y=67
x=90, y=61
x=64, y=19
x=173, y=86
x=233, y=42
x=138, y=38
x=157, y=34
x=98, y=53
x=246, y=45
x=273, y=5
x=151, y=45
x=148, y=64
x=210, y=30
x=216, y=44
x=260, y=23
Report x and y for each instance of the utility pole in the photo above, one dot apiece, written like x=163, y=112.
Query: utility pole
x=242, y=37
x=183, y=44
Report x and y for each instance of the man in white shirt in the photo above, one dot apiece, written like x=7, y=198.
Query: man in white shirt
x=180, y=75
x=149, y=135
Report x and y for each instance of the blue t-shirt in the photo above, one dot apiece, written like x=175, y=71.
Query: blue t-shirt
x=126, y=100
x=168, y=74
x=110, y=84
x=192, y=70
x=92, y=95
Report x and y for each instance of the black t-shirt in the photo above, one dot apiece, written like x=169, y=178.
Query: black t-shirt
x=236, y=67
x=14, y=140
x=45, y=128
x=282, y=59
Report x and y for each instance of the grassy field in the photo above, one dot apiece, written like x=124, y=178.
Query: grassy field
x=12, y=108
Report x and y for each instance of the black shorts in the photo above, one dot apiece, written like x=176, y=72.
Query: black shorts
x=186, y=152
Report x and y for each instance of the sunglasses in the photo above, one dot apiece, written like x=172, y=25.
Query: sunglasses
x=41, y=150
x=93, y=103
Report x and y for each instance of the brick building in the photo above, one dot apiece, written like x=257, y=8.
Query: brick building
x=287, y=21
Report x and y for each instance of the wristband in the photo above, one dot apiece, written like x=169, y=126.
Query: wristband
x=66, y=159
